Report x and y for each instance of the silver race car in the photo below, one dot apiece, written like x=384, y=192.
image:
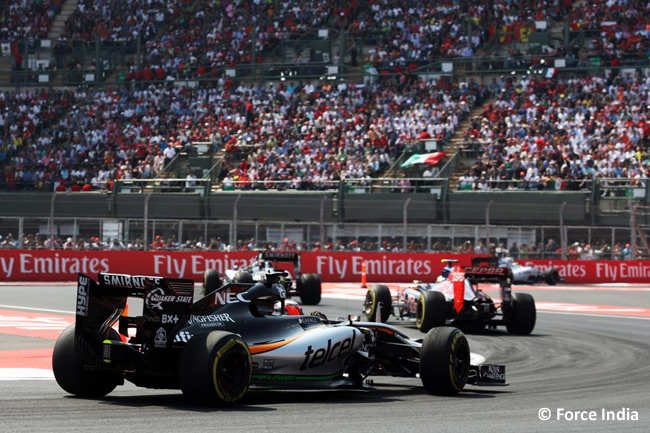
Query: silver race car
x=236, y=338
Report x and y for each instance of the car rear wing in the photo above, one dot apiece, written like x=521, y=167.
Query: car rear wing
x=102, y=303
x=279, y=256
x=486, y=274
x=282, y=256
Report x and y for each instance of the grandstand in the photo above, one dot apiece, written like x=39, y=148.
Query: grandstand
x=535, y=105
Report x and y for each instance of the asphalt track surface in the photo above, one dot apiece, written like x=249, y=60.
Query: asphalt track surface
x=577, y=362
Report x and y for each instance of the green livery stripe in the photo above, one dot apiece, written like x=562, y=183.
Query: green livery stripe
x=289, y=377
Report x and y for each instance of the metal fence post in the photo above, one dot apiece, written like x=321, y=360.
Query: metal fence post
x=322, y=220
x=52, y=221
x=563, y=238
x=21, y=235
x=405, y=221
x=633, y=230
x=487, y=224
x=233, y=236
x=146, y=221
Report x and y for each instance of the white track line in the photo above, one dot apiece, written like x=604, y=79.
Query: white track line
x=594, y=315
x=43, y=310
x=26, y=374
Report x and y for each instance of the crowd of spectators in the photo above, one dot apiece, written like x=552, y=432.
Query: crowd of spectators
x=85, y=139
x=410, y=33
x=601, y=249
x=617, y=29
x=26, y=19
x=195, y=38
x=557, y=134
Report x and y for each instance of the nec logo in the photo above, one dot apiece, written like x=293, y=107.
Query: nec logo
x=221, y=298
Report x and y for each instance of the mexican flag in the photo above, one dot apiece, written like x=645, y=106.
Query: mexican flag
x=550, y=72
x=424, y=158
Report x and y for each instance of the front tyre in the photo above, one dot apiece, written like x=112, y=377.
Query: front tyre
x=431, y=310
x=310, y=289
x=523, y=314
x=444, y=361
x=243, y=277
x=69, y=371
x=211, y=281
x=552, y=277
x=378, y=298
x=215, y=368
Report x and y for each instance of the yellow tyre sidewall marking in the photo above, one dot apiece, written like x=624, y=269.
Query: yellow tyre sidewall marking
x=373, y=310
x=420, y=320
x=452, y=375
x=215, y=379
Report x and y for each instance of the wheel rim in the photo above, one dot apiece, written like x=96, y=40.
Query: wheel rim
x=369, y=303
x=460, y=362
x=419, y=314
x=232, y=372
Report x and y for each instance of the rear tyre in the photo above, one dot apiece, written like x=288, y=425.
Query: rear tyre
x=215, y=368
x=431, y=310
x=310, y=289
x=211, y=281
x=243, y=277
x=378, y=297
x=69, y=372
x=552, y=277
x=523, y=314
x=444, y=361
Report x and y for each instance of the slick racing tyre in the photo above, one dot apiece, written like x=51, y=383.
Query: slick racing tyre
x=243, y=277
x=552, y=277
x=69, y=371
x=310, y=289
x=523, y=314
x=211, y=281
x=215, y=368
x=444, y=361
x=378, y=297
x=431, y=310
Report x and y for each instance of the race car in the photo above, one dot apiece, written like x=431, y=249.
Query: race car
x=456, y=300
x=529, y=275
x=234, y=339
x=306, y=286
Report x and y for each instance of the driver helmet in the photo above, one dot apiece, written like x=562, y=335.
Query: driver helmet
x=445, y=272
x=291, y=308
x=265, y=305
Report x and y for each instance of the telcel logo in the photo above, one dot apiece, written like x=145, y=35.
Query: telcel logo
x=318, y=357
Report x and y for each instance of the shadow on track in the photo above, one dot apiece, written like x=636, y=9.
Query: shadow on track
x=257, y=400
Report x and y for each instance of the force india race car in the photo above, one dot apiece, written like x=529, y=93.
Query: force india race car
x=306, y=286
x=456, y=300
x=214, y=349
